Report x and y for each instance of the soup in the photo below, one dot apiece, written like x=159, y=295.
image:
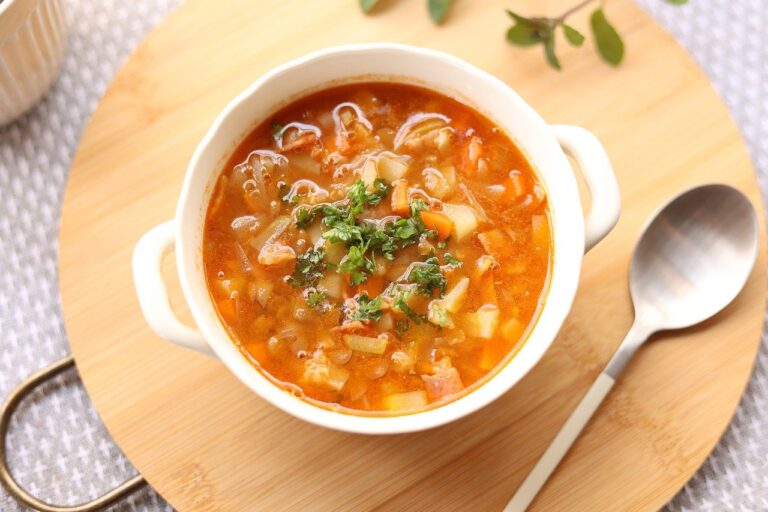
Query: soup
x=377, y=248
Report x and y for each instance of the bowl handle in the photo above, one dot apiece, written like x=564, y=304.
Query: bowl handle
x=593, y=162
x=153, y=294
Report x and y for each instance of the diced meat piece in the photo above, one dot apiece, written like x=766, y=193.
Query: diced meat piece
x=319, y=370
x=444, y=381
x=275, y=254
x=402, y=362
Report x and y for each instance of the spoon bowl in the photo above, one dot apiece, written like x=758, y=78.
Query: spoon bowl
x=694, y=256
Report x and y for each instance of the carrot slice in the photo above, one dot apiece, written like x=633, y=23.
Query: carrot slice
x=400, y=204
x=373, y=286
x=487, y=286
x=439, y=222
x=226, y=309
x=494, y=351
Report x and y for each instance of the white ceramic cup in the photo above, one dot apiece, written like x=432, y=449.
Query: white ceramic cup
x=32, y=37
x=542, y=144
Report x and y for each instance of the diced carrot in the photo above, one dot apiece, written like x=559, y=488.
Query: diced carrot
x=493, y=352
x=226, y=309
x=373, y=286
x=400, y=204
x=439, y=222
x=258, y=350
x=487, y=287
x=495, y=242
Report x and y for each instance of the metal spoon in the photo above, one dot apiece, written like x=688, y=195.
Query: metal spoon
x=692, y=260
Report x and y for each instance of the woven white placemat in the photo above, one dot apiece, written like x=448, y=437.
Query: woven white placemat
x=58, y=447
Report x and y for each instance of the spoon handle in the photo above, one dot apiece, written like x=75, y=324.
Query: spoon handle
x=561, y=444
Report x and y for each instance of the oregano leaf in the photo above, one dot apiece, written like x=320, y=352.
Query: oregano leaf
x=549, y=51
x=573, y=36
x=523, y=35
x=609, y=43
x=438, y=9
x=528, y=31
x=367, y=5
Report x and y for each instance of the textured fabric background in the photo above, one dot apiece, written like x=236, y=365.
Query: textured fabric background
x=59, y=448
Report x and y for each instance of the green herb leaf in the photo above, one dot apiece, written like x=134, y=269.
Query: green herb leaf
x=428, y=278
x=367, y=5
x=609, y=43
x=442, y=316
x=549, y=52
x=367, y=309
x=677, y=2
x=360, y=197
x=356, y=263
x=277, y=129
x=401, y=326
x=343, y=232
x=402, y=305
x=309, y=269
x=573, y=36
x=282, y=190
x=438, y=9
x=452, y=261
x=315, y=299
x=526, y=31
x=305, y=217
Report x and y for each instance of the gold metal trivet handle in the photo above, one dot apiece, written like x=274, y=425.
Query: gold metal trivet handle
x=9, y=407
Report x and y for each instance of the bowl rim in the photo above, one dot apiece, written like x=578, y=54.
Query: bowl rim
x=563, y=280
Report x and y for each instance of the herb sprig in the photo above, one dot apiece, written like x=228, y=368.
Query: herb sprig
x=542, y=30
x=364, y=239
x=309, y=269
x=366, y=309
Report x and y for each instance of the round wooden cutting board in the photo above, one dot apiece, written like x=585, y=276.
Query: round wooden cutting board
x=207, y=443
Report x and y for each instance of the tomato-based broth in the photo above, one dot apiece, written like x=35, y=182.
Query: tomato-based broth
x=377, y=248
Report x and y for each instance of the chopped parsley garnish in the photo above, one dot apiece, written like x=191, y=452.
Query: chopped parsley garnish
x=343, y=232
x=452, y=261
x=441, y=316
x=428, y=278
x=357, y=264
x=367, y=309
x=315, y=299
x=402, y=304
x=304, y=217
x=418, y=205
x=364, y=239
x=359, y=196
x=277, y=129
x=441, y=244
x=282, y=190
x=309, y=269
x=401, y=326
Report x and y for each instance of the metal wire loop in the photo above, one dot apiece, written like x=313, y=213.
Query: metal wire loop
x=9, y=407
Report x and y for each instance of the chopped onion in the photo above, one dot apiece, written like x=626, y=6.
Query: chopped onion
x=271, y=233
x=418, y=127
x=244, y=261
x=409, y=401
x=366, y=344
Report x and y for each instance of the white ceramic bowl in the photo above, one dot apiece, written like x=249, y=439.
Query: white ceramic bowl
x=32, y=37
x=542, y=144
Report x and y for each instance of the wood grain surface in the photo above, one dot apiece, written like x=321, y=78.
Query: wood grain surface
x=205, y=442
